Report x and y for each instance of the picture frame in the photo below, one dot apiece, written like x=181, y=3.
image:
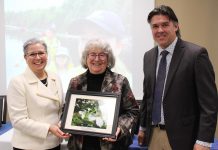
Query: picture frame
x=3, y=108
x=91, y=113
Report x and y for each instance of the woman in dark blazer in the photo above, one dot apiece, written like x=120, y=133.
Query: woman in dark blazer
x=98, y=59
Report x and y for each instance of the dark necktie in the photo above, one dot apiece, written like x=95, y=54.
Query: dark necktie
x=159, y=86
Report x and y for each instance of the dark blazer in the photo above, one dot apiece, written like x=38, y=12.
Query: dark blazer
x=190, y=101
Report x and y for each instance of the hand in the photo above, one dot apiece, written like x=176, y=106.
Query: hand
x=116, y=136
x=54, y=129
x=141, y=137
x=200, y=147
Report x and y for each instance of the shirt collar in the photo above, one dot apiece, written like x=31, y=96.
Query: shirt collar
x=170, y=48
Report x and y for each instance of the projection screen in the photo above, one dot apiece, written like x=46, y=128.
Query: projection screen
x=66, y=25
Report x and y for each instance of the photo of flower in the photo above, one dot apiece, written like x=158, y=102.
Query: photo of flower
x=88, y=113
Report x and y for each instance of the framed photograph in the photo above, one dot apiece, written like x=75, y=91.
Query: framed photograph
x=91, y=113
x=3, y=108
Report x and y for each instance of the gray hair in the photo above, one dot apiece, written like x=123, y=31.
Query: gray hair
x=100, y=44
x=33, y=41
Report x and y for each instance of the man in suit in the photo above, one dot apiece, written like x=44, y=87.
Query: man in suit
x=188, y=107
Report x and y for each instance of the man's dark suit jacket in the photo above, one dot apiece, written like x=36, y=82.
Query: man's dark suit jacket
x=190, y=101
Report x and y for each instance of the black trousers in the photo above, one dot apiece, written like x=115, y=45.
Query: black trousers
x=56, y=148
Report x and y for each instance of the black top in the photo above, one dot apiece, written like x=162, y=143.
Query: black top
x=44, y=81
x=94, y=83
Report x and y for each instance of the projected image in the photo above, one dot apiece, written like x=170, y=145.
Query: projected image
x=67, y=25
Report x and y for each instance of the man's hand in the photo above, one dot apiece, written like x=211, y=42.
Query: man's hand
x=141, y=137
x=200, y=147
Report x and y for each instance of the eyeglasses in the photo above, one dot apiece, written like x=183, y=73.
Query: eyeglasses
x=101, y=56
x=34, y=54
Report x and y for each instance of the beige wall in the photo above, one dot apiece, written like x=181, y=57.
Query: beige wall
x=199, y=24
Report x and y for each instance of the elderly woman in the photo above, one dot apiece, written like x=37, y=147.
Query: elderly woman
x=98, y=59
x=35, y=102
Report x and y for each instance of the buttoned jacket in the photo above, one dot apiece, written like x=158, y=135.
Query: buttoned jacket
x=32, y=108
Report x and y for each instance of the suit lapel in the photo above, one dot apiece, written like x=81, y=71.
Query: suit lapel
x=50, y=92
x=149, y=68
x=175, y=61
x=153, y=67
x=80, y=82
x=107, y=80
